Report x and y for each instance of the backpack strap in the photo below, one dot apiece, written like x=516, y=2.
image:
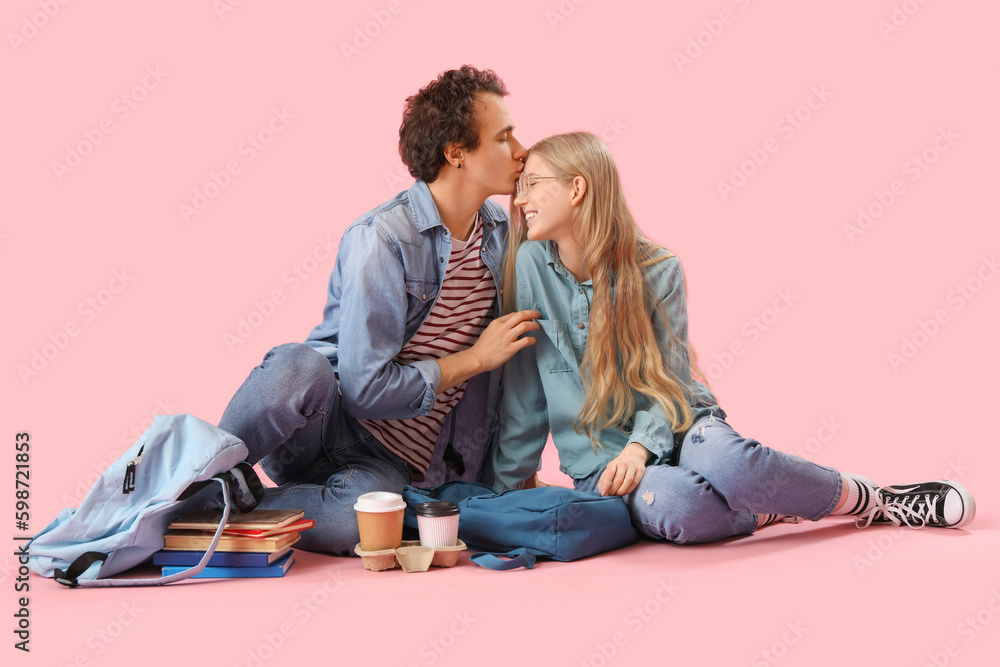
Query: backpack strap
x=244, y=485
x=69, y=576
x=453, y=460
x=509, y=561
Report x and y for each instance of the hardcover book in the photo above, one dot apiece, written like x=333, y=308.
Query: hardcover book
x=253, y=520
x=277, y=569
x=219, y=558
x=195, y=540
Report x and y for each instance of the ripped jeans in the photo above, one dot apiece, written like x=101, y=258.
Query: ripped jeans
x=721, y=482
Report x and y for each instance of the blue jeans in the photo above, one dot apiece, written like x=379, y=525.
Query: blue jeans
x=288, y=413
x=721, y=482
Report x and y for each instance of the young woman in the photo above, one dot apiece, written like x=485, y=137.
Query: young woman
x=610, y=376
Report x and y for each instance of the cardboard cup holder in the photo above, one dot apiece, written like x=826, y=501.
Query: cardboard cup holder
x=410, y=556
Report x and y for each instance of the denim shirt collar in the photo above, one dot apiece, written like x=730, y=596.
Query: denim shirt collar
x=552, y=250
x=425, y=211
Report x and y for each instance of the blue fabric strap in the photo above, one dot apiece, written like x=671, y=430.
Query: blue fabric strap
x=509, y=561
x=190, y=572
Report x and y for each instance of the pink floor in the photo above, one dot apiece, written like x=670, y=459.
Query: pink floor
x=809, y=594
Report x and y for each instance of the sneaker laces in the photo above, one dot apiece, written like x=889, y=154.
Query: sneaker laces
x=902, y=509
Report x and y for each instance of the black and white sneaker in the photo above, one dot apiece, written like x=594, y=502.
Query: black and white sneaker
x=943, y=504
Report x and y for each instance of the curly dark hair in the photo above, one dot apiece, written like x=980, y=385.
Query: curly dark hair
x=443, y=112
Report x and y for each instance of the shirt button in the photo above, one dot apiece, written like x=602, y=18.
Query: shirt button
x=581, y=325
x=442, y=259
x=581, y=291
x=425, y=296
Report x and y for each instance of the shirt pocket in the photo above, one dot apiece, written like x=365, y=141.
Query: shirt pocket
x=419, y=295
x=558, y=352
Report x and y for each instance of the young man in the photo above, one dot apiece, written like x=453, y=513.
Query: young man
x=399, y=378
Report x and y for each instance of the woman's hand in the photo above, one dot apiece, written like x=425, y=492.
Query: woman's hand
x=623, y=474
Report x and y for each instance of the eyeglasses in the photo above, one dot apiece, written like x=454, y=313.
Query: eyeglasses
x=524, y=183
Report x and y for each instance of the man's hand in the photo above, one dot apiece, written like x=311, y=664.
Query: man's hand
x=623, y=474
x=502, y=338
x=500, y=341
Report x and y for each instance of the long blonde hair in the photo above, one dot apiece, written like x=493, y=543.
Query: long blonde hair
x=622, y=356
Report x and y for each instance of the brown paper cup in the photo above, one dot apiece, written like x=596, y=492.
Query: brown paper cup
x=380, y=530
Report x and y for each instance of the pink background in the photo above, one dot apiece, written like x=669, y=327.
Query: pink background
x=815, y=378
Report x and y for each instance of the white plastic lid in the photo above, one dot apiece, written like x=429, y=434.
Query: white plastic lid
x=380, y=501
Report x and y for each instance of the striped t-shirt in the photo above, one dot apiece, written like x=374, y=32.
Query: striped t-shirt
x=458, y=317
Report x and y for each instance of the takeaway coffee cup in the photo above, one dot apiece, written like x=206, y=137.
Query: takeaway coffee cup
x=437, y=522
x=380, y=520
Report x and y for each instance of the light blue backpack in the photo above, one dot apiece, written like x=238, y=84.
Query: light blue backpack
x=178, y=465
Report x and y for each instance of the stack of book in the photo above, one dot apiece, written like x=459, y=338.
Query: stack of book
x=253, y=544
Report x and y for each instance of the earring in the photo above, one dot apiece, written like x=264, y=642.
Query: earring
x=459, y=165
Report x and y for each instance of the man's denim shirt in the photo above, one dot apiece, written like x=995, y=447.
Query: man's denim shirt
x=389, y=269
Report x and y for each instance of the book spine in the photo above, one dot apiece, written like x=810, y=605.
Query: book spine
x=218, y=559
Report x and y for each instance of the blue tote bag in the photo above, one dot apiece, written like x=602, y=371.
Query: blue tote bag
x=512, y=528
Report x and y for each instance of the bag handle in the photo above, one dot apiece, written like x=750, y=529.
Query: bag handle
x=245, y=485
x=69, y=576
x=509, y=561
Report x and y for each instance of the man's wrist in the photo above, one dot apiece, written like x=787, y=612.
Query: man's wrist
x=476, y=364
x=458, y=367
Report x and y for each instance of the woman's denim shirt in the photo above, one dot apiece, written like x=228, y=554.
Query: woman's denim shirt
x=389, y=268
x=543, y=390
